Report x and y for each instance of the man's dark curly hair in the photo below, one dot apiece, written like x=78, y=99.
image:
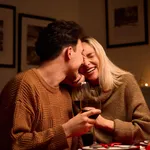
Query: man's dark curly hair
x=53, y=38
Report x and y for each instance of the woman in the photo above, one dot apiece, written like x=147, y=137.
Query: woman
x=125, y=116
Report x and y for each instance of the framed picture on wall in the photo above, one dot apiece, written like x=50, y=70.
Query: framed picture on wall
x=7, y=36
x=126, y=23
x=29, y=28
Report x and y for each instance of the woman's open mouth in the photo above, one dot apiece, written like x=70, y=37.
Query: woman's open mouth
x=90, y=70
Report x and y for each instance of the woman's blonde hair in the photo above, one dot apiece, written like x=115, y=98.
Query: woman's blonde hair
x=109, y=74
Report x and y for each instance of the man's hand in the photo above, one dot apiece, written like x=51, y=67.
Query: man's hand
x=80, y=124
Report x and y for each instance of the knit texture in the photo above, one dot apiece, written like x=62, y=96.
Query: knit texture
x=126, y=106
x=32, y=114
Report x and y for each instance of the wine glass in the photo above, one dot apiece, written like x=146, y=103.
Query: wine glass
x=89, y=100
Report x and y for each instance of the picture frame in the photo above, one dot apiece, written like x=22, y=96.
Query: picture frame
x=29, y=27
x=126, y=23
x=7, y=36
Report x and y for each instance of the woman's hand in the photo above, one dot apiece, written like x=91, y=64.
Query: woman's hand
x=105, y=124
x=76, y=82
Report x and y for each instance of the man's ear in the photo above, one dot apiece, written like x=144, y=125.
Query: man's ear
x=69, y=52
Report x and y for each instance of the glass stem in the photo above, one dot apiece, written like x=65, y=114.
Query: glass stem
x=94, y=137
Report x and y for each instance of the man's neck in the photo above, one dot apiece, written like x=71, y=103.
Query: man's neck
x=52, y=72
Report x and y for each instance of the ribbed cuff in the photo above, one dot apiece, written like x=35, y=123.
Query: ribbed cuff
x=123, y=131
x=59, y=141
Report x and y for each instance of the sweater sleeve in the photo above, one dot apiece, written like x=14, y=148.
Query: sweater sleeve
x=23, y=133
x=138, y=127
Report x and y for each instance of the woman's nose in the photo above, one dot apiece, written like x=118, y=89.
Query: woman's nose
x=86, y=61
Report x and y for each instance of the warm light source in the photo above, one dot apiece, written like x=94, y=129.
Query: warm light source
x=146, y=84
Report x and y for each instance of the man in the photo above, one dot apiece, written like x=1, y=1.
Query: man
x=35, y=111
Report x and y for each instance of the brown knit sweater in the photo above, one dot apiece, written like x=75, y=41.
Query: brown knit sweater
x=32, y=114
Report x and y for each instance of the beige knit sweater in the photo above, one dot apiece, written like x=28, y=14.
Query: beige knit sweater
x=126, y=106
x=32, y=114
